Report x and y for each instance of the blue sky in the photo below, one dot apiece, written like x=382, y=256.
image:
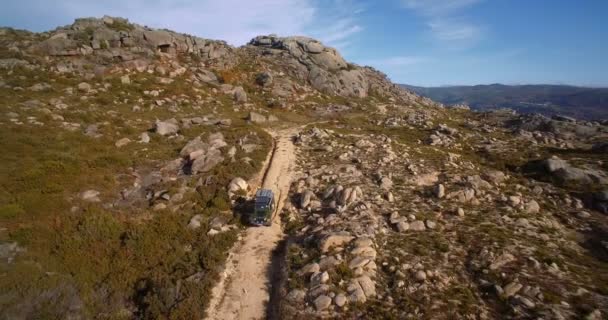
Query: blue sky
x=420, y=42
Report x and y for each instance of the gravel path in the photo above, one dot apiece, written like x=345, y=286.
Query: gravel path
x=244, y=290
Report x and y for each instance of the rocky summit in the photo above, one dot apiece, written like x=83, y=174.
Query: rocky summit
x=131, y=158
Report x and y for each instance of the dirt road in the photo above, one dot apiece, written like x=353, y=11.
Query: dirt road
x=244, y=289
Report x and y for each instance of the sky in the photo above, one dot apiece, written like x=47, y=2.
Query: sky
x=417, y=42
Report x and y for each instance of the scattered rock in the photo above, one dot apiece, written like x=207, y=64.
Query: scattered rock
x=84, y=87
x=417, y=226
x=122, y=142
x=90, y=196
x=322, y=302
x=340, y=300
x=168, y=127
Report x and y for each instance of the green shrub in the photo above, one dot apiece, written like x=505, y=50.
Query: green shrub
x=11, y=211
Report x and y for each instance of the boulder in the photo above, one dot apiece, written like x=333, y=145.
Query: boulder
x=122, y=142
x=314, y=47
x=84, y=87
x=165, y=128
x=195, y=221
x=322, y=302
x=236, y=185
x=417, y=226
x=207, y=162
x=420, y=276
x=144, y=137
x=192, y=148
x=90, y=196
x=240, y=96
x=264, y=79
x=334, y=240
x=532, y=207
x=511, y=289
x=125, y=79
x=305, y=198
x=439, y=191
x=340, y=300
x=402, y=226
x=256, y=117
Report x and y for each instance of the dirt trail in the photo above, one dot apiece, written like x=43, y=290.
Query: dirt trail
x=244, y=289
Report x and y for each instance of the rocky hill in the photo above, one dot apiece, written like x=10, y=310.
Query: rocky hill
x=130, y=156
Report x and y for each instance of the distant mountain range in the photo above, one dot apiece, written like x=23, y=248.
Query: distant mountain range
x=579, y=102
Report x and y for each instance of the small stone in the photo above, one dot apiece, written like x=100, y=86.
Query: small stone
x=90, y=195
x=166, y=127
x=195, y=221
x=514, y=200
x=532, y=207
x=358, y=262
x=460, y=212
x=526, y=302
x=322, y=302
x=296, y=296
x=122, y=142
x=310, y=268
x=389, y=197
x=417, y=226
x=440, y=191
x=583, y=214
x=319, y=278
x=403, y=226
x=502, y=260
x=144, y=138
x=420, y=276
x=240, y=95
x=431, y=224
x=84, y=87
x=511, y=289
x=340, y=300
x=125, y=79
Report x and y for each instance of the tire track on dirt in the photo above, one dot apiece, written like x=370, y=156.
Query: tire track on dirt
x=245, y=290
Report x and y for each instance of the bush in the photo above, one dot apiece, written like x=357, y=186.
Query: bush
x=10, y=211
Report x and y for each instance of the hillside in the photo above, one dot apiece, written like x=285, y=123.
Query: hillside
x=578, y=102
x=131, y=156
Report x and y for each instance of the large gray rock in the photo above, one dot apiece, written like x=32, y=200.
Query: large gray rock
x=207, y=162
x=256, y=117
x=563, y=172
x=240, y=96
x=322, y=302
x=166, y=127
x=324, y=68
x=158, y=38
x=193, y=147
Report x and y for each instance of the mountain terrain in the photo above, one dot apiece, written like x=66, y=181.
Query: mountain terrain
x=131, y=156
x=578, y=102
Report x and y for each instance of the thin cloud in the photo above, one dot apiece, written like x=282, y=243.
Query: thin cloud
x=340, y=31
x=438, y=7
x=336, y=22
x=397, y=61
x=453, y=30
x=444, y=21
